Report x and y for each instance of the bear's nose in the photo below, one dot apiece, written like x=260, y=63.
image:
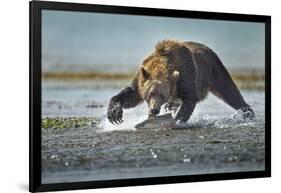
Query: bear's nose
x=154, y=111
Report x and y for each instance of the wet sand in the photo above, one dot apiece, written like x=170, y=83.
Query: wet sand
x=78, y=143
x=98, y=155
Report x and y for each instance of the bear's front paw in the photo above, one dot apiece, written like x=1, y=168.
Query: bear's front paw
x=115, y=113
x=172, y=106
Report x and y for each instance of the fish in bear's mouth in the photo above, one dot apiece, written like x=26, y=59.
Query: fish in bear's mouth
x=154, y=122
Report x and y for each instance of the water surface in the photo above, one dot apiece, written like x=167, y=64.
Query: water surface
x=216, y=139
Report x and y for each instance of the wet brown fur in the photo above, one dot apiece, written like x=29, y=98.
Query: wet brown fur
x=156, y=65
x=200, y=71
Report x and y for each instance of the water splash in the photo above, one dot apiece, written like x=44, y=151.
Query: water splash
x=205, y=117
x=130, y=117
x=227, y=121
x=133, y=116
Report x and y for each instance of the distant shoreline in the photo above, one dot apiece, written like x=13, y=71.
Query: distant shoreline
x=244, y=80
x=85, y=76
x=252, y=75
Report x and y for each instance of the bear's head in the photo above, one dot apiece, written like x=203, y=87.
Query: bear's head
x=156, y=91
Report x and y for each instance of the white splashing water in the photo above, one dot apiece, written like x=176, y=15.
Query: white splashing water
x=213, y=121
x=135, y=116
x=206, y=115
x=131, y=117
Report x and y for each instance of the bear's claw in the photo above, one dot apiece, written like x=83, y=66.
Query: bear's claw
x=115, y=114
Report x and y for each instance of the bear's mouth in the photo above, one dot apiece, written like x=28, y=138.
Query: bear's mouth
x=153, y=113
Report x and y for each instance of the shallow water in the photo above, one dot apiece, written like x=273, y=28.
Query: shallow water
x=216, y=139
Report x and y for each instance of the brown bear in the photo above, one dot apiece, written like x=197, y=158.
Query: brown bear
x=184, y=71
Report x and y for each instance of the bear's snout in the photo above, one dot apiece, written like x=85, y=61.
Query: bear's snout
x=154, y=112
x=154, y=106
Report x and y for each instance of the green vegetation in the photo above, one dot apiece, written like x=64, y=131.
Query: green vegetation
x=67, y=122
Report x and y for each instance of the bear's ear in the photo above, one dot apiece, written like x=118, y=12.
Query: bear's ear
x=144, y=73
x=175, y=75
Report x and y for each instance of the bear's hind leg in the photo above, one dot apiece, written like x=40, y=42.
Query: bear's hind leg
x=223, y=87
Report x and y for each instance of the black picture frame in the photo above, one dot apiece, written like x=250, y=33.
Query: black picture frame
x=35, y=9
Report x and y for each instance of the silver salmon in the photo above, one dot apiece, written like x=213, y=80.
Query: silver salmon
x=158, y=122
